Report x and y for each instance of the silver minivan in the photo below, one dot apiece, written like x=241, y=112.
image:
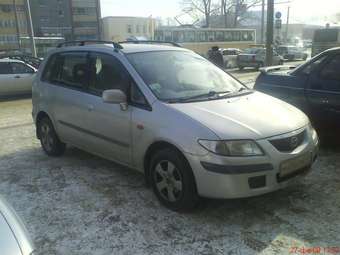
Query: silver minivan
x=191, y=128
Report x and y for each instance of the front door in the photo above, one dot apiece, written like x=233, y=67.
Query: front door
x=6, y=79
x=22, y=76
x=324, y=89
x=109, y=124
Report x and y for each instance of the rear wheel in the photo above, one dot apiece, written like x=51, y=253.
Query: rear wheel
x=173, y=181
x=240, y=68
x=49, y=139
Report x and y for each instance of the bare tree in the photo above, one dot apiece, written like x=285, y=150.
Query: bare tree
x=237, y=9
x=241, y=9
x=205, y=7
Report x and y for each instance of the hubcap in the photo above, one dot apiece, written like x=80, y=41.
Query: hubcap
x=168, y=181
x=46, y=137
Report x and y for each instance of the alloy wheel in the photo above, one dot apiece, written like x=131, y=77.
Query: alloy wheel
x=168, y=181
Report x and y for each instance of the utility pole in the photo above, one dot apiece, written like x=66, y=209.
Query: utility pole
x=262, y=23
x=270, y=32
x=30, y=28
x=16, y=23
x=286, y=34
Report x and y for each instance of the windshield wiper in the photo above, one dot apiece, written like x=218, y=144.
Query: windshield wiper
x=210, y=94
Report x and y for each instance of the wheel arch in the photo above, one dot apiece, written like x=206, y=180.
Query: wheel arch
x=152, y=149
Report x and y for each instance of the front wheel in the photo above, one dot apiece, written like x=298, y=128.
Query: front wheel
x=173, y=181
x=49, y=139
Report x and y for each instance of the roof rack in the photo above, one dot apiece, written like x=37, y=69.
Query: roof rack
x=85, y=42
x=152, y=42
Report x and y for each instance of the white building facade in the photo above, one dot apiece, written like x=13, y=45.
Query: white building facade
x=121, y=28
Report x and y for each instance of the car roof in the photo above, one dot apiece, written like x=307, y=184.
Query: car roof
x=333, y=49
x=127, y=47
x=11, y=60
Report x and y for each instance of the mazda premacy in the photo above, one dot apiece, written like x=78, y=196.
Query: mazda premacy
x=191, y=128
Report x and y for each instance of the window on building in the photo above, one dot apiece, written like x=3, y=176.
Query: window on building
x=129, y=29
x=137, y=28
x=144, y=29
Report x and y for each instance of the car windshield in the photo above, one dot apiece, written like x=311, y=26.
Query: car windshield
x=173, y=75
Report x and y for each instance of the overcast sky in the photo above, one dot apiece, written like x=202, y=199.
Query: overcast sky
x=310, y=11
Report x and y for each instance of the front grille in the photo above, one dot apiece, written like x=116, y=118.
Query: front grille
x=288, y=144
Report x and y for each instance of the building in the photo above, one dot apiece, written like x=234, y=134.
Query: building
x=71, y=19
x=124, y=28
x=85, y=19
x=13, y=24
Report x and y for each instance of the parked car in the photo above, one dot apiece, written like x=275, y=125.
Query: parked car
x=255, y=57
x=230, y=57
x=190, y=127
x=16, y=77
x=314, y=87
x=14, y=238
x=292, y=52
x=35, y=62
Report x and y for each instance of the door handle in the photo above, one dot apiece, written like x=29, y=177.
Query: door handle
x=90, y=108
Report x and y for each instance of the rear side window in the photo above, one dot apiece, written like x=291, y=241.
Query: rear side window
x=70, y=70
x=50, y=70
x=5, y=68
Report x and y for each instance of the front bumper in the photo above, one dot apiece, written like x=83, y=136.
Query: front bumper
x=235, y=177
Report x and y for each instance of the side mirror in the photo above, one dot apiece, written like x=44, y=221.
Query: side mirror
x=115, y=96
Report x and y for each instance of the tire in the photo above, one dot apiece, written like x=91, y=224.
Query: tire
x=175, y=189
x=304, y=57
x=49, y=140
x=259, y=66
x=281, y=62
x=240, y=68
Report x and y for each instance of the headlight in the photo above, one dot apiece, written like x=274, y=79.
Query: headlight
x=238, y=148
x=314, y=134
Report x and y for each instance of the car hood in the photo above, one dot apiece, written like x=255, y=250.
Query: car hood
x=253, y=116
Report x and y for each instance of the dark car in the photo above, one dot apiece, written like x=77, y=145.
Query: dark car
x=292, y=52
x=314, y=87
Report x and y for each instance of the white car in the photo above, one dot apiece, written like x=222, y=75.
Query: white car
x=14, y=239
x=230, y=57
x=191, y=128
x=16, y=77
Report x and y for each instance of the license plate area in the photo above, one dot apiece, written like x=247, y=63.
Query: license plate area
x=291, y=166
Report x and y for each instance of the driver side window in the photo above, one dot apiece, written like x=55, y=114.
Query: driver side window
x=331, y=71
x=107, y=73
x=313, y=65
x=19, y=68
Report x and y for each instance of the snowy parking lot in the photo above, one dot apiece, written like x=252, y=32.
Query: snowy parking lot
x=81, y=204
